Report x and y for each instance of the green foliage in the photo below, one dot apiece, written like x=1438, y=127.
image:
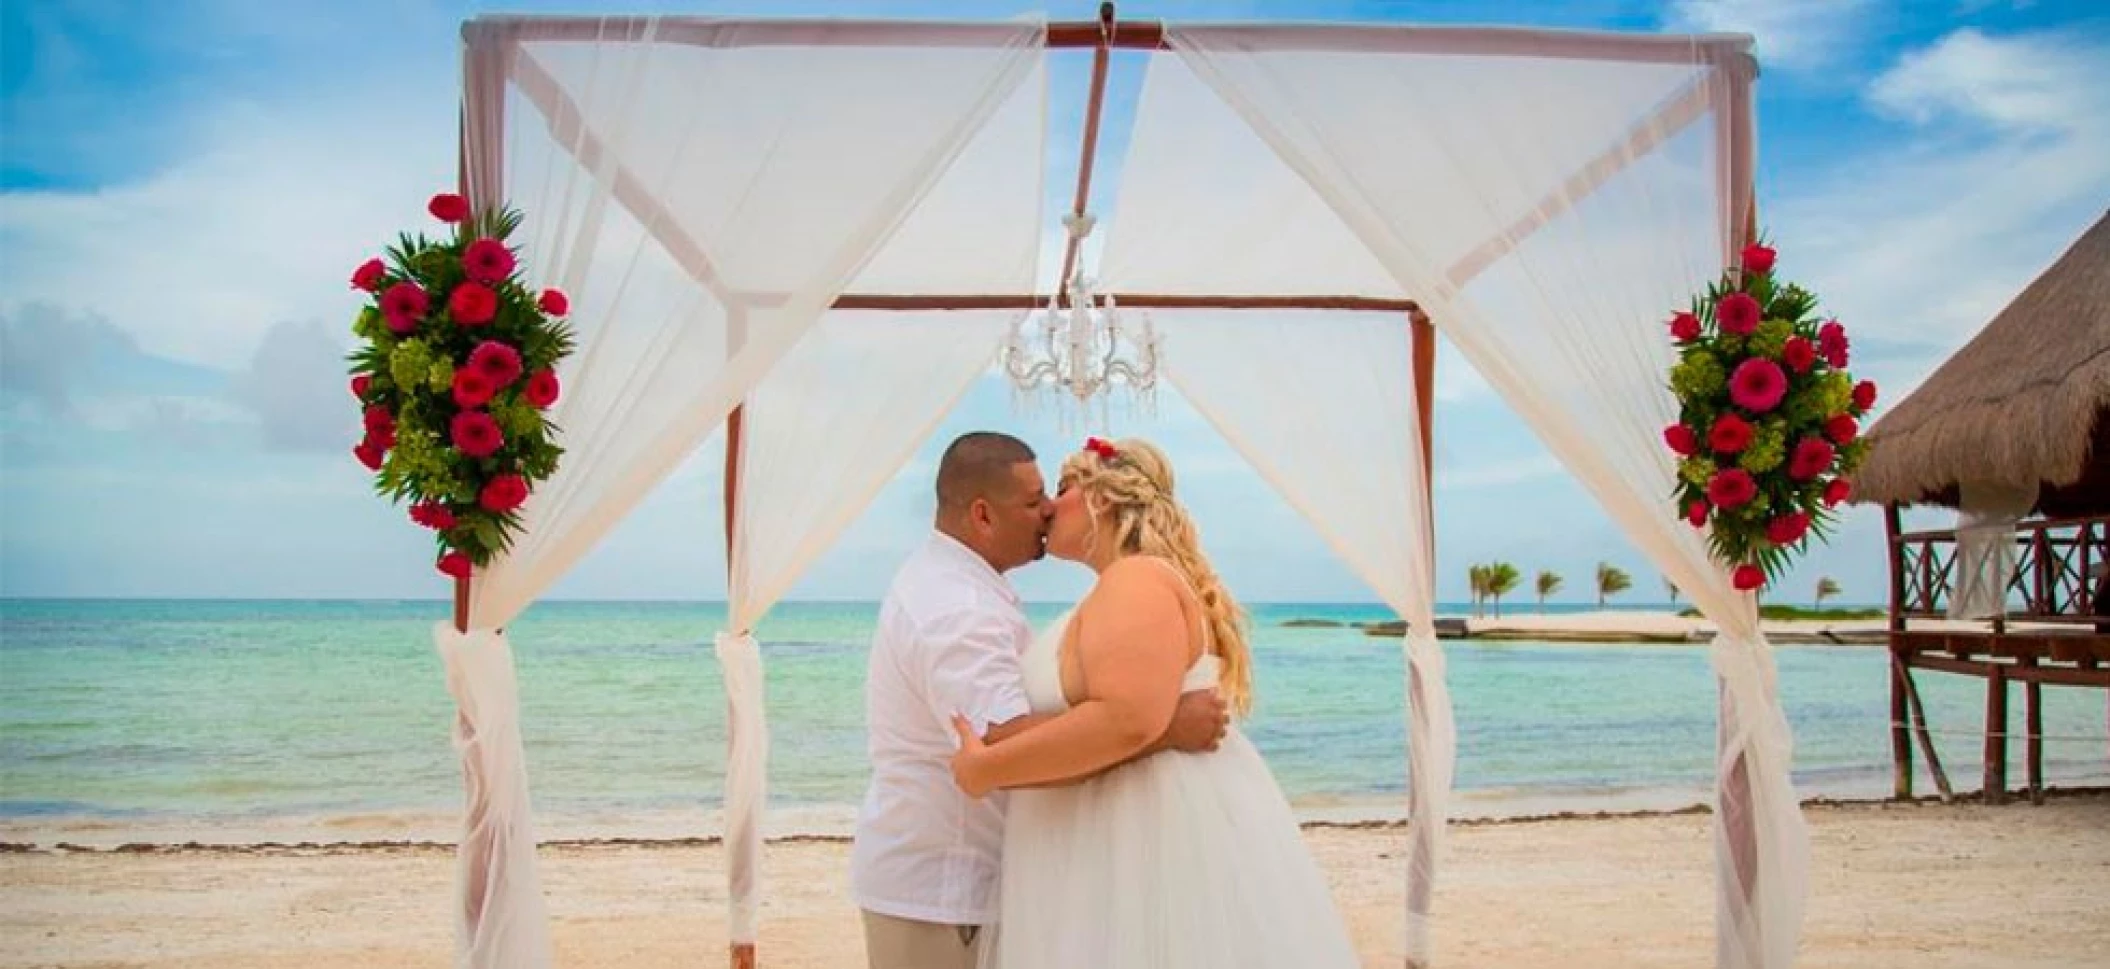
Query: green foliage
x=411, y=376
x=1815, y=395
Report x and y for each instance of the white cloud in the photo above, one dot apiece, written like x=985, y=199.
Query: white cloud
x=264, y=224
x=1921, y=240
x=1794, y=34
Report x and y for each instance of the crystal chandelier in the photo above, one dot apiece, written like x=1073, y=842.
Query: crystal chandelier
x=1084, y=351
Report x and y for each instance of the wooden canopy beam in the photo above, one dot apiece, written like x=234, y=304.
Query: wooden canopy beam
x=1144, y=35
x=1156, y=301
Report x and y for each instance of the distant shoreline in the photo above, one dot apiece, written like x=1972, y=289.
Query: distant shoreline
x=1621, y=626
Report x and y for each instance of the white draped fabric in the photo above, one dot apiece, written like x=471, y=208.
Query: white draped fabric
x=1345, y=452
x=1549, y=199
x=809, y=465
x=683, y=181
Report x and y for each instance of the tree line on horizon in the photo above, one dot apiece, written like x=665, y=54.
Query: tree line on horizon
x=1491, y=581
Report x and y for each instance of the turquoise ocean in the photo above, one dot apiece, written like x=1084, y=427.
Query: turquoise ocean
x=228, y=720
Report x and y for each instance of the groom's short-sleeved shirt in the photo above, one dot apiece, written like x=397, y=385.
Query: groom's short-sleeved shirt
x=951, y=633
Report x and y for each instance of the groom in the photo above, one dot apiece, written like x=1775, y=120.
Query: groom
x=924, y=863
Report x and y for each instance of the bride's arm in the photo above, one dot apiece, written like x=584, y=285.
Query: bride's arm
x=1132, y=642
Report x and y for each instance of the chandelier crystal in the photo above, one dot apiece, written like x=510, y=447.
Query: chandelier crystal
x=1083, y=352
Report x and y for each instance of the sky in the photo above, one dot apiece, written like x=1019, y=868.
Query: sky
x=184, y=187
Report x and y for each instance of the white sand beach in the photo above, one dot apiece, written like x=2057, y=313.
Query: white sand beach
x=1923, y=886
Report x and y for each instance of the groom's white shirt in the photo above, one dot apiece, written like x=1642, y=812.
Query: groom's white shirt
x=951, y=633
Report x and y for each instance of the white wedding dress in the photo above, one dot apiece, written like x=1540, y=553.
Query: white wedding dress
x=1175, y=861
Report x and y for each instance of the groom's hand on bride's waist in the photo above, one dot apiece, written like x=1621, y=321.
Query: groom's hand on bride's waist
x=1198, y=723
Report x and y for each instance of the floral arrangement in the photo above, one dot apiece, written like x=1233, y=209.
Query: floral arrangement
x=456, y=367
x=1768, y=432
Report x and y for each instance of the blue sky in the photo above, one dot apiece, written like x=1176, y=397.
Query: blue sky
x=183, y=188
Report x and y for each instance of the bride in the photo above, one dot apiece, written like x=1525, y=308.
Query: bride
x=1173, y=861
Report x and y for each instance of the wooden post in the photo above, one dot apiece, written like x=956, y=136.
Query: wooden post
x=1996, y=734
x=1926, y=737
x=1421, y=892
x=1900, y=738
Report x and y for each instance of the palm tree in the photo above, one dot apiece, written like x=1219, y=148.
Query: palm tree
x=1548, y=584
x=1826, y=589
x=1477, y=575
x=1672, y=588
x=1611, y=581
x=1502, y=579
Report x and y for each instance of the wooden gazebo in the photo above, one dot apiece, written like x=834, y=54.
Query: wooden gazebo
x=2023, y=411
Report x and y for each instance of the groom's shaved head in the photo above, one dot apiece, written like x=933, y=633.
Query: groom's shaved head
x=978, y=465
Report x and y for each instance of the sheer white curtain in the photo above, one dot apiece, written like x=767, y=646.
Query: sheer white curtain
x=683, y=180
x=1550, y=199
x=1342, y=443
x=824, y=432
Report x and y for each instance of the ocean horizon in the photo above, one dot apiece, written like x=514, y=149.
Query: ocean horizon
x=240, y=720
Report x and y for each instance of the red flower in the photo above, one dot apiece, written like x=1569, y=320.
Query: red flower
x=472, y=388
x=541, y=389
x=448, y=207
x=498, y=362
x=1812, y=456
x=455, y=564
x=1747, y=577
x=476, y=434
x=432, y=514
x=1758, y=385
x=1737, y=313
x=1864, y=395
x=1841, y=429
x=504, y=493
x=487, y=260
x=382, y=439
x=368, y=275
x=1758, y=258
x=1731, y=488
x=1799, y=354
x=368, y=455
x=554, y=303
x=1696, y=513
x=1831, y=343
x=377, y=418
x=404, y=304
x=1836, y=491
x=1730, y=435
x=1787, y=529
x=472, y=304
x=1104, y=449
x=1681, y=439
x=1684, y=327
x=360, y=384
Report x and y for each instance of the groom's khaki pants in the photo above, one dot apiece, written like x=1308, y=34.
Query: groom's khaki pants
x=892, y=943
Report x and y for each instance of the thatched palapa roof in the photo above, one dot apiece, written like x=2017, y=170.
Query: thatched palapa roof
x=2023, y=403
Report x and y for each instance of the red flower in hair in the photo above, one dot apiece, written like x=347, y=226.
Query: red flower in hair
x=1104, y=449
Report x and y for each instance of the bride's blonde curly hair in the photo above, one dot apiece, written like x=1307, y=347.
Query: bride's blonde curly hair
x=1131, y=480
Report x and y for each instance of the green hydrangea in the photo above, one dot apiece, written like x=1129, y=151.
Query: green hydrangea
x=410, y=363
x=1696, y=471
x=516, y=418
x=367, y=325
x=440, y=377
x=1771, y=338
x=1699, y=376
x=1768, y=448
